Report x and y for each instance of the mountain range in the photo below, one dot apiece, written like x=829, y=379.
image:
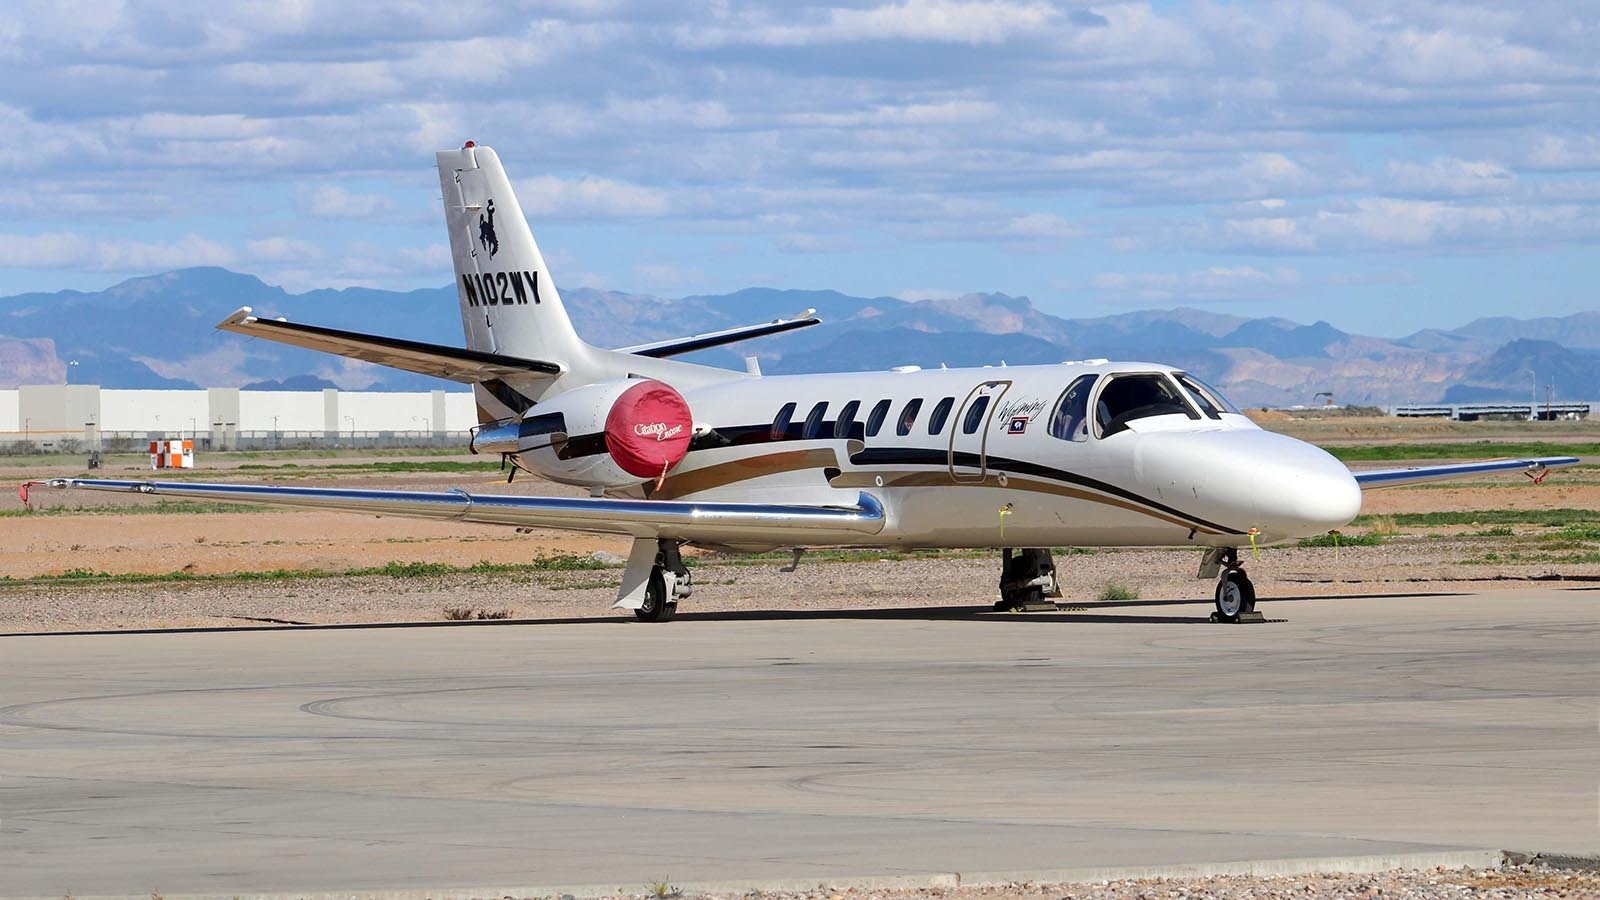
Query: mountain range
x=157, y=332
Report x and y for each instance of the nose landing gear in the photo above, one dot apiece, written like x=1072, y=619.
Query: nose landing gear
x=1235, y=595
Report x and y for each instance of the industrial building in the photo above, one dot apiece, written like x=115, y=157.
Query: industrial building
x=72, y=417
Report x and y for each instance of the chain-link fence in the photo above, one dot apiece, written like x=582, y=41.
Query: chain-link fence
x=20, y=444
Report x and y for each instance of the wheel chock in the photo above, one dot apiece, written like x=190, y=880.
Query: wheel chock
x=1249, y=618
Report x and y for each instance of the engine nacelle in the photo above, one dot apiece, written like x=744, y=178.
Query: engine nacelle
x=610, y=434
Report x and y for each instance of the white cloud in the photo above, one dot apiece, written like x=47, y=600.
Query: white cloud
x=330, y=201
x=1565, y=153
x=281, y=249
x=588, y=198
x=662, y=277
x=194, y=131
x=1213, y=284
x=938, y=21
x=1450, y=177
x=68, y=250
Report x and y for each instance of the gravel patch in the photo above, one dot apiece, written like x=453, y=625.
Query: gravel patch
x=1528, y=881
x=1163, y=581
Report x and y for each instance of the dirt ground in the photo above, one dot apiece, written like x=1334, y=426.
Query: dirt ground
x=89, y=532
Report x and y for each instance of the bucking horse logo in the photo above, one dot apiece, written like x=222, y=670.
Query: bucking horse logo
x=486, y=235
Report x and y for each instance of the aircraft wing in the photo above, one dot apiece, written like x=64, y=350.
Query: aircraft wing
x=452, y=363
x=726, y=523
x=1535, y=468
x=690, y=344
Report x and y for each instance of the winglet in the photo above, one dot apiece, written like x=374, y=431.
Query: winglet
x=241, y=316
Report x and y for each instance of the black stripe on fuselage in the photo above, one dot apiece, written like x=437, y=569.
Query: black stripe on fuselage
x=919, y=456
x=742, y=435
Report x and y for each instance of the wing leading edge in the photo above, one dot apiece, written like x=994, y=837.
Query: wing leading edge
x=451, y=363
x=676, y=346
x=725, y=523
x=1535, y=468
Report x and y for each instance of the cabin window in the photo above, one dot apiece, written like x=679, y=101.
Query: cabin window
x=1208, y=398
x=780, y=425
x=876, y=417
x=908, y=417
x=813, y=426
x=974, y=417
x=1126, y=398
x=846, y=420
x=1070, y=421
x=940, y=413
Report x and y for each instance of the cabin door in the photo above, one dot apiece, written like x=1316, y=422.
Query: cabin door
x=969, y=431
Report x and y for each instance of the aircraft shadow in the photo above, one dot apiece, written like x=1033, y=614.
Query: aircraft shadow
x=1123, y=612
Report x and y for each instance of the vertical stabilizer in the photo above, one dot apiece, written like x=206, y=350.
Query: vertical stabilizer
x=509, y=304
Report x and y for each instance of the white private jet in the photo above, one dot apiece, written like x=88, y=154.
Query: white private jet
x=1019, y=459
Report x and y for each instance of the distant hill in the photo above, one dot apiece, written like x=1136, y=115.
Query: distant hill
x=159, y=332
x=1535, y=364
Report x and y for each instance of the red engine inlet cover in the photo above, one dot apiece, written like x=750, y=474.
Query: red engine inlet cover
x=648, y=429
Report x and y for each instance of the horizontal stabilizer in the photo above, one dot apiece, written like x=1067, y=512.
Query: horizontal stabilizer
x=451, y=363
x=676, y=346
x=730, y=523
x=1533, y=468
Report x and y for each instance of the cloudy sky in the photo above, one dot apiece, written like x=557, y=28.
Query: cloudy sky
x=1383, y=165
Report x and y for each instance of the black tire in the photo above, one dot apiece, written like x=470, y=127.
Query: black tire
x=656, y=608
x=1235, y=596
x=1020, y=599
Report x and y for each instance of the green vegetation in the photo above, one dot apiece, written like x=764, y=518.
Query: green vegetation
x=1458, y=450
x=1342, y=540
x=1585, y=557
x=399, y=467
x=558, y=563
x=1550, y=518
x=146, y=508
x=1114, y=592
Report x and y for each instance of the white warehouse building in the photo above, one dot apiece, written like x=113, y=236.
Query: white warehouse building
x=82, y=416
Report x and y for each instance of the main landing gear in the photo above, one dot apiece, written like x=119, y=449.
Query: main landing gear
x=1236, y=596
x=1027, y=580
x=669, y=582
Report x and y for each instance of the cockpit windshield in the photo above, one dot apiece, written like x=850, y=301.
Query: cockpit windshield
x=1125, y=398
x=1208, y=398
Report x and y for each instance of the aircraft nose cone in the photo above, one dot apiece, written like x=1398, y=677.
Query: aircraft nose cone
x=1244, y=479
x=1314, y=495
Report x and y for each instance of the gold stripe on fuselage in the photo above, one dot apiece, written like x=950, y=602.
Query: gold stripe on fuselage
x=941, y=478
x=735, y=471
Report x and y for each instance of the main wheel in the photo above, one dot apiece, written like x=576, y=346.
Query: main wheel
x=1235, y=596
x=656, y=608
x=1015, y=600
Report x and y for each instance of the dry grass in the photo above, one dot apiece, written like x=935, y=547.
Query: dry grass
x=474, y=613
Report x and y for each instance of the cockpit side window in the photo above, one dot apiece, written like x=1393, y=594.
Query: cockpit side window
x=1208, y=398
x=1070, y=421
x=1125, y=398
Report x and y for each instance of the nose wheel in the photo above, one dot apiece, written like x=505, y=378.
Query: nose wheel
x=1236, y=596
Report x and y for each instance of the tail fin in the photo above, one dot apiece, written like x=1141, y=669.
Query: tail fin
x=509, y=304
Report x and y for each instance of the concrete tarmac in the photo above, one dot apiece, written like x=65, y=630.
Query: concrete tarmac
x=810, y=746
